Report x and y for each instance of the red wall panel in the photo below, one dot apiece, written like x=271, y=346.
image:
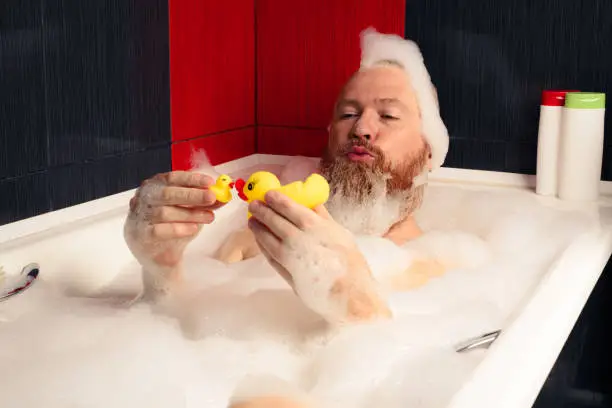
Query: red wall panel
x=306, y=50
x=220, y=148
x=291, y=141
x=301, y=51
x=212, y=66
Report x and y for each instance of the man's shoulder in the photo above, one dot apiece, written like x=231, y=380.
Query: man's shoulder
x=298, y=168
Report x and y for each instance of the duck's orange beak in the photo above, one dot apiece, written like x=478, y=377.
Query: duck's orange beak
x=240, y=187
x=231, y=185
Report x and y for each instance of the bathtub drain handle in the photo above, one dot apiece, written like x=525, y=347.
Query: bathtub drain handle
x=482, y=341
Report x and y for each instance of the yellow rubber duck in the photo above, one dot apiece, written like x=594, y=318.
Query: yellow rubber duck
x=223, y=188
x=310, y=193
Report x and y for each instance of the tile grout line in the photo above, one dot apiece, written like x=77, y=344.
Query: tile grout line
x=221, y=132
x=124, y=153
x=292, y=127
x=89, y=161
x=255, y=83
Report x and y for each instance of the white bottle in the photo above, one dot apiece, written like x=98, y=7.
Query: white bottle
x=581, y=146
x=551, y=112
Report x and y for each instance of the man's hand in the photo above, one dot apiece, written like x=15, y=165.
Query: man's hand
x=317, y=257
x=166, y=213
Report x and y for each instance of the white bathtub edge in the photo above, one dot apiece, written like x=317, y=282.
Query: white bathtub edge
x=104, y=205
x=43, y=222
x=529, y=348
x=40, y=223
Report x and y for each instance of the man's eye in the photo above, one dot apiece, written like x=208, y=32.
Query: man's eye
x=389, y=117
x=347, y=115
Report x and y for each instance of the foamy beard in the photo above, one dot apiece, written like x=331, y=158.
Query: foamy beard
x=368, y=199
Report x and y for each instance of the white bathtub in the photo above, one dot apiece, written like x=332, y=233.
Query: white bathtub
x=84, y=245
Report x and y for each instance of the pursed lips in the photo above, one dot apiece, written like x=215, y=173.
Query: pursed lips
x=359, y=153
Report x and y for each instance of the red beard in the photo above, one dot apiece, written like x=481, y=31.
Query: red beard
x=356, y=179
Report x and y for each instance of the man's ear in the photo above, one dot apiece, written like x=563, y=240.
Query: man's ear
x=328, y=128
x=429, y=164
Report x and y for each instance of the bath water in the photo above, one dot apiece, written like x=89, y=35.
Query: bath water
x=238, y=331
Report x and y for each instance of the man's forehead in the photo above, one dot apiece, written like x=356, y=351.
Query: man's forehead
x=382, y=85
x=377, y=101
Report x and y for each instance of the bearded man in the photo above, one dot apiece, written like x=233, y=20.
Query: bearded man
x=385, y=135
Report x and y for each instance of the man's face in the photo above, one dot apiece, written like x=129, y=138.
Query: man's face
x=378, y=106
x=375, y=146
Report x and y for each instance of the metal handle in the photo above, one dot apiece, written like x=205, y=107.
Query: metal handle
x=482, y=341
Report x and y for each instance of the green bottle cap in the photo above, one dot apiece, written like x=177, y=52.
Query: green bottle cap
x=585, y=100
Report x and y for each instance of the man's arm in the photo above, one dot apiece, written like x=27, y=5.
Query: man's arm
x=418, y=274
x=166, y=214
x=363, y=302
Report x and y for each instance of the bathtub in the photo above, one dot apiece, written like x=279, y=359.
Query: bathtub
x=74, y=245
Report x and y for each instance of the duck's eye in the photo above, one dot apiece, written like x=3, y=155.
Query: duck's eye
x=250, y=186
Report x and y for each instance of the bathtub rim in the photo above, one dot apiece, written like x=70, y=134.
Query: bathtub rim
x=116, y=203
x=541, y=329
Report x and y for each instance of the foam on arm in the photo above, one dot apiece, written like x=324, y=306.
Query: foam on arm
x=334, y=282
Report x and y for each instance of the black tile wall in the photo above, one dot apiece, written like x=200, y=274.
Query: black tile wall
x=22, y=89
x=481, y=154
x=23, y=197
x=84, y=101
x=490, y=61
x=70, y=185
x=106, y=89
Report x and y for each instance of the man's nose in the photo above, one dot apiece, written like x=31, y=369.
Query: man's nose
x=365, y=128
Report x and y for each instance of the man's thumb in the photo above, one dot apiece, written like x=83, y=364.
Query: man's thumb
x=322, y=211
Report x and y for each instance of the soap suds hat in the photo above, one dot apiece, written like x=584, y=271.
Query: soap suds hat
x=377, y=48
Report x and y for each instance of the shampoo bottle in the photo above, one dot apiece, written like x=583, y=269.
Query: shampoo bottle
x=581, y=146
x=551, y=112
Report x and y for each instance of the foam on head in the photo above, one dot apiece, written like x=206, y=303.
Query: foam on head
x=384, y=49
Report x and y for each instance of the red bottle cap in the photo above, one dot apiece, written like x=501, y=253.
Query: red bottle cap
x=554, y=97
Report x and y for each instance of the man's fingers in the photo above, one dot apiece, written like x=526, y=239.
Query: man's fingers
x=274, y=221
x=322, y=211
x=299, y=215
x=186, y=179
x=185, y=196
x=167, y=231
x=266, y=240
x=168, y=213
x=279, y=268
x=271, y=248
